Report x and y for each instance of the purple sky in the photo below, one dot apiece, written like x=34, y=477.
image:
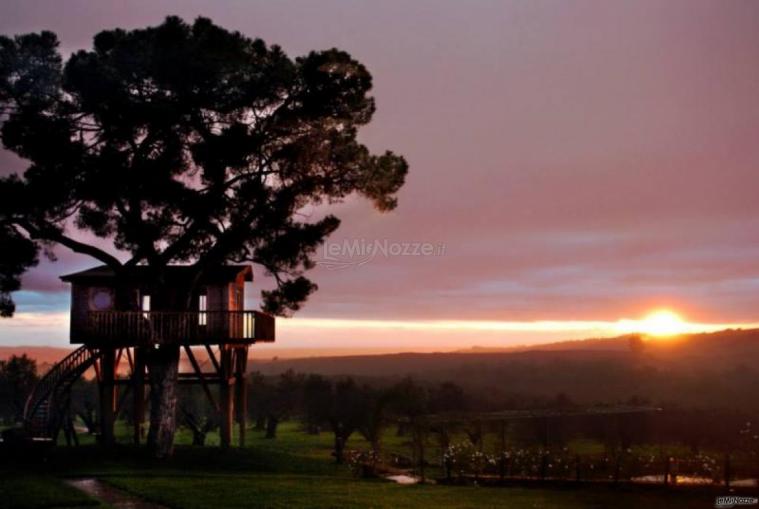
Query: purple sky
x=577, y=160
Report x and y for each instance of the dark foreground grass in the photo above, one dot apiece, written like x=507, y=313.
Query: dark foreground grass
x=294, y=471
x=27, y=491
x=291, y=491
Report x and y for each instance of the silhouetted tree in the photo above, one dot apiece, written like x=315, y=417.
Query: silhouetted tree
x=346, y=413
x=18, y=375
x=200, y=426
x=257, y=399
x=376, y=404
x=87, y=415
x=282, y=400
x=317, y=399
x=561, y=402
x=447, y=397
x=181, y=143
x=84, y=394
x=408, y=401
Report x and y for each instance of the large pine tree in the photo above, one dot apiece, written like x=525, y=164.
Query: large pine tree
x=181, y=143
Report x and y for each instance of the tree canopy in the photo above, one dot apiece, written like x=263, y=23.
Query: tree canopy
x=182, y=143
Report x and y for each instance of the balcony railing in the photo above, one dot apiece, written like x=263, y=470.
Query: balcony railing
x=182, y=327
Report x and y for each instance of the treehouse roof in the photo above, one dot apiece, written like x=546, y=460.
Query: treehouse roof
x=142, y=273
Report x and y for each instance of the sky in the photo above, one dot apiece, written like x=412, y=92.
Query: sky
x=572, y=164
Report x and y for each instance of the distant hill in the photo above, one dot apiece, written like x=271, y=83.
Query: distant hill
x=402, y=364
x=715, y=370
x=716, y=348
x=729, y=346
x=696, y=370
x=619, y=343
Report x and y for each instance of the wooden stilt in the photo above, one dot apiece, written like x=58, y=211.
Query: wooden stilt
x=138, y=394
x=121, y=400
x=226, y=396
x=212, y=357
x=241, y=365
x=107, y=395
x=201, y=377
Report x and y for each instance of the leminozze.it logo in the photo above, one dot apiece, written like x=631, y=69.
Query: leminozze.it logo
x=731, y=501
x=358, y=252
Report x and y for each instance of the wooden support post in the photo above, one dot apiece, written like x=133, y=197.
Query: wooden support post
x=201, y=377
x=138, y=393
x=226, y=396
x=212, y=358
x=107, y=395
x=121, y=400
x=241, y=365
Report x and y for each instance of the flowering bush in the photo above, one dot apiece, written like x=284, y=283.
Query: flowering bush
x=641, y=463
x=362, y=463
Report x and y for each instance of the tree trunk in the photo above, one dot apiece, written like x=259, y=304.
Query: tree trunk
x=163, y=365
x=271, y=427
x=198, y=438
x=339, y=447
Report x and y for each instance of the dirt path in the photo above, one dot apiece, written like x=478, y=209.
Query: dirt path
x=114, y=497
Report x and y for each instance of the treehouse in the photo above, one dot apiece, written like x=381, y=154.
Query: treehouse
x=120, y=324
x=216, y=312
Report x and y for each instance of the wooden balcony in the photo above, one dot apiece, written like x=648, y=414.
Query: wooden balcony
x=127, y=328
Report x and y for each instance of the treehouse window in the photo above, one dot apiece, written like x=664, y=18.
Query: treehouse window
x=145, y=305
x=101, y=300
x=203, y=307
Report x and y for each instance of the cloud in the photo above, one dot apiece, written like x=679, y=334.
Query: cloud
x=39, y=328
x=582, y=162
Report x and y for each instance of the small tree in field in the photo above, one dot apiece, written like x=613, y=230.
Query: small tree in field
x=257, y=399
x=317, y=399
x=408, y=400
x=376, y=403
x=18, y=375
x=281, y=400
x=346, y=414
x=181, y=143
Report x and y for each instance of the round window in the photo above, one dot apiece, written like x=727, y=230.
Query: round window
x=101, y=300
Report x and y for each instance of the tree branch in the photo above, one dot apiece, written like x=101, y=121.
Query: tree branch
x=54, y=235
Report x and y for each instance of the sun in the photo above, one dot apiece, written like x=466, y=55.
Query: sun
x=661, y=322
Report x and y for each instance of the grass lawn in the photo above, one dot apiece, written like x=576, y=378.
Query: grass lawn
x=33, y=492
x=295, y=470
x=288, y=491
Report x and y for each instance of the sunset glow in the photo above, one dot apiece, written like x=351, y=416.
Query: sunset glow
x=662, y=322
x=51, y=329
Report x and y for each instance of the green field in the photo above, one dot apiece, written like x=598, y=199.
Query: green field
x=295, y=470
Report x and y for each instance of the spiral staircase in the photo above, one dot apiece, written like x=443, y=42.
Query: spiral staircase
x=44, y=407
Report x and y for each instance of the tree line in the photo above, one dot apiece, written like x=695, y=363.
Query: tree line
x=370, y=408
x=345, y=406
